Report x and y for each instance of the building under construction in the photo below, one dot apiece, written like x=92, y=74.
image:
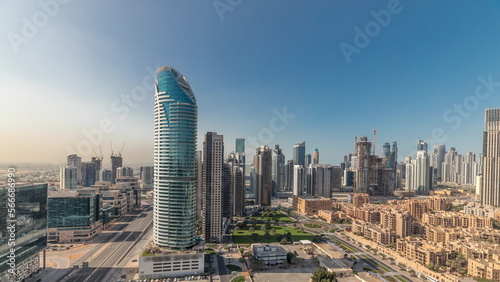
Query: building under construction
x=374, y=175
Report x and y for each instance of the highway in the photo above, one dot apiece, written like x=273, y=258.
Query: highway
x=108, y=262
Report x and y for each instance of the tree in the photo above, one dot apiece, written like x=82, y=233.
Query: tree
x=283, y=241
x=290, y=256
x=322, y=275
x=267, y=235
x=251, y=229
x=263, y=227
x=458, y=264
x=237, y=228
x=273, y=231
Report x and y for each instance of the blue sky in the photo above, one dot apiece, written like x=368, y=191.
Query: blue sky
x=66, y=75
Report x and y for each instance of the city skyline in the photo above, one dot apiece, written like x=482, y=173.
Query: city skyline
x=331, y=99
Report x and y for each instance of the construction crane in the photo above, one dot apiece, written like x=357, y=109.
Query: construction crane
x=120, y=152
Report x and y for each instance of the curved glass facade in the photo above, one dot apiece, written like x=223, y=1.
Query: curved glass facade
x=175, y=132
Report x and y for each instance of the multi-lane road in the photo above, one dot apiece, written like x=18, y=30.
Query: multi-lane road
x=108, y=261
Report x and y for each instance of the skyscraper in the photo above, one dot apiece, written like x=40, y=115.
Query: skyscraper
x=147, y=176
x=299, y=153
x=490, y=192
x=419, y=173
x=316, y=156
x=199, y=184
x=89, y=175
x=438, y=159
x=68, y=177
x=75, y=161
x=213, y=162
x=262, y=163
x=240, y=148
x=237, y=184
x=175, y=130
x=116, y=162
x=278, y=169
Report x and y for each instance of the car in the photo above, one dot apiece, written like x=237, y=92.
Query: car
x=134, y=260
x=124, y=276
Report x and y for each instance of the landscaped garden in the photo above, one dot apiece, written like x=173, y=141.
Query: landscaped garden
x=313, y=225
x=272, y=215
x=255, y=233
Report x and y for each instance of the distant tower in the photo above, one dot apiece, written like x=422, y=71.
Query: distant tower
x=490, y=192
x=116, y=162
x=316, y=156
x=299, y=153
x=363, y=165
x=68, y=177
x=237, y=184
x=75, y=161
x=213, y=161
x=278, y=169
x=422, y=146
x=262, y=163
x=240, y=148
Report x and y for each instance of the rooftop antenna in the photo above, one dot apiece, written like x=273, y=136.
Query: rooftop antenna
x=111, y=144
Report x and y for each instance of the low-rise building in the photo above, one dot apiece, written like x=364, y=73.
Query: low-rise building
x=270, y=254
x=311, y=205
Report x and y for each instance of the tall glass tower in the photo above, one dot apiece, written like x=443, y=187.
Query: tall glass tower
x=176, y=116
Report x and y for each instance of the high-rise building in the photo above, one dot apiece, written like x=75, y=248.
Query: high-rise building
x=199, y=184
x=68, y=177
x=362, y=165
x=299, y=153
x=75, y=161
x=89, y=176
x=289, y=175
x=240, y=148
x=106, y=175
x=175, y=129
x=124, y=171
x=490, y=192
x=278, y=169
x=116, y=162
x=419, y=173
x=422, y=146
x=98, y=163
x=298, y=180
x=437, y=159
x=19, y=262
x=213, y=172
x=147, y=176
x=308, y=160
x=316, y=156
x=262, y=162
x=237, y=184
x=319, y=180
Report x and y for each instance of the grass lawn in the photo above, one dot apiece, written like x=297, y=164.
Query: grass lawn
x=233, y=267
x=313, y=225
x=279, y=216
x=243, y=236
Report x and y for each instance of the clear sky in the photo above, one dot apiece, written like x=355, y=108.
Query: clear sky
x=340, y=68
